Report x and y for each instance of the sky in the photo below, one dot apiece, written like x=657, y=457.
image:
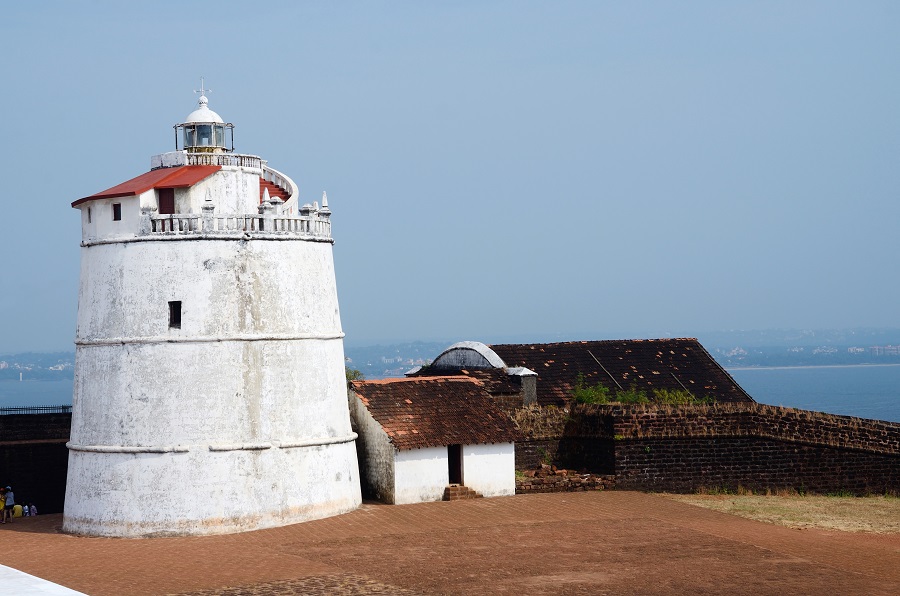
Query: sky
x=496, y=170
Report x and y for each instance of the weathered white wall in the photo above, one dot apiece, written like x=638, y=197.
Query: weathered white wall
x=490, y=469
x=282, y=287
x=233, y=189
x=203, y=492
x=238, y=420
x=102, y=224
x=374, y=451
x=420, y=475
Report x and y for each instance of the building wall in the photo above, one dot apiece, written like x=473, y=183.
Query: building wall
x=374, y=452
x=234, y=190
x=283, y=288
x=420, y=475
x=102, y=225
x=236, y=420
x=490, y=469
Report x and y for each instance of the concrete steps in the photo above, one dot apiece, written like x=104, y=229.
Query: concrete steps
x=458, y=492
x=274, y=190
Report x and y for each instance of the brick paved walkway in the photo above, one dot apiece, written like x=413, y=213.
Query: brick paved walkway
x=565, y=543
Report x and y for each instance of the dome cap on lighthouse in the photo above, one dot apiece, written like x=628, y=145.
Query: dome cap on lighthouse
x=203, y=113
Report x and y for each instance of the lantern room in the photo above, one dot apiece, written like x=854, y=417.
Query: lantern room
x=204, y=131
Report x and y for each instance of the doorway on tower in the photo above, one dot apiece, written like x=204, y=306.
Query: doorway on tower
x=166, y=201
x=454, y=460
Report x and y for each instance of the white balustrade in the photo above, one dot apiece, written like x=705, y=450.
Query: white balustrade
x=224, y=159
x=180, y=224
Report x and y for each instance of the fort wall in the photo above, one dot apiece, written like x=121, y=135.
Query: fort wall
x=33, y=458
x=724, y=446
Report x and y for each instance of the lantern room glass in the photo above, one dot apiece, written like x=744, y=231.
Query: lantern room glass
x=205, y=136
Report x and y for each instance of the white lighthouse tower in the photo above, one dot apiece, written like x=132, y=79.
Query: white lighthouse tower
x=210, y=394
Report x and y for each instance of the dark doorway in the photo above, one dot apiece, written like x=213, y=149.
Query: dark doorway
x=454, y=458
x=166, y=200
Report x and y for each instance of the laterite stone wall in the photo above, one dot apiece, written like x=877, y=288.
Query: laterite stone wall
x=34, y=458
x=684, y=448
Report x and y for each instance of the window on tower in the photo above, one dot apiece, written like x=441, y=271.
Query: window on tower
x=175, y=314
x=189, y=136
x=117, y=211
x=204, y=134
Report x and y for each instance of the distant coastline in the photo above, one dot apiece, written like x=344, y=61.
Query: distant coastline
x=801, y=366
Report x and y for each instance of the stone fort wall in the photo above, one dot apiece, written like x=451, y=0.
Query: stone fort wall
x=686, y=448
x=34, y=458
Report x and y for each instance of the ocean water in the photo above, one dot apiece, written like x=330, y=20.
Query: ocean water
x=864, y=391
x=35, y=393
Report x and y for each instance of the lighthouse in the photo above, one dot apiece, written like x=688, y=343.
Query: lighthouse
x=209, y=393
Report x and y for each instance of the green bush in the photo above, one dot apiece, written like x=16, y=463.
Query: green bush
x=600, y=394
x=632, y=395
x=678, y=397
x=594, y=394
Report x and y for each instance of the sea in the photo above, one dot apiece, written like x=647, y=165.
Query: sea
x=866, y=391
x=860, y=390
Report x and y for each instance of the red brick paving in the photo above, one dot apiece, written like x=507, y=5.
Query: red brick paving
x=565, y=543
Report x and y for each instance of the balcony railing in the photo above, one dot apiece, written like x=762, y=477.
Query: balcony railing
x=36, y=410
x=224, y=159
x=182, y=224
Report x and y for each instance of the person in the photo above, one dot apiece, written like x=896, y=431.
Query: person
x=32, y=510
x=9, y=505
x=2, y=505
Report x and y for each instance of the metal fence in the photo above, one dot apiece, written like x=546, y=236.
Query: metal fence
x=37, y=410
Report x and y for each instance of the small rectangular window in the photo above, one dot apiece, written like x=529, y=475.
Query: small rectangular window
x=175, y=314
x=89, y=215
x=117, y=211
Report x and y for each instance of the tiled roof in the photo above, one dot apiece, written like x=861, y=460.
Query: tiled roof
x=435, y=411
x=497, y=381
x=178, y=177
x=672, y=364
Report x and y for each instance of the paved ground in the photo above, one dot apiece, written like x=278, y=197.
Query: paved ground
x=565, y=543
x=22, y=584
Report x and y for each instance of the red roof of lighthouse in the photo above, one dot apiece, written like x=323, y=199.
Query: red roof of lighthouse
x=179, y=177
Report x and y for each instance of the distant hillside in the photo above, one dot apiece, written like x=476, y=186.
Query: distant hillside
x=736, y=348
x=40, y=366
x=385, y=361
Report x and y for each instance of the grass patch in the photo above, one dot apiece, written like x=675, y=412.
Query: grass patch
x=601, y=394
x=876, y=514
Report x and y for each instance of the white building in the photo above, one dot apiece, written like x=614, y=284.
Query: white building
x=209, y=380
x=422, y=439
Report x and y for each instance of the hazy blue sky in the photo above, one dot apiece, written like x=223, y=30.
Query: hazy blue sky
x=496, y=169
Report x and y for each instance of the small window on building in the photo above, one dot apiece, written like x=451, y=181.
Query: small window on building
x=89, y=215
x=175, y=314
x=117, y=211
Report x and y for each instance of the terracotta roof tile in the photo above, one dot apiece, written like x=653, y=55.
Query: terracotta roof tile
x=435, y=411
x=178, y=177
x=672, y=364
